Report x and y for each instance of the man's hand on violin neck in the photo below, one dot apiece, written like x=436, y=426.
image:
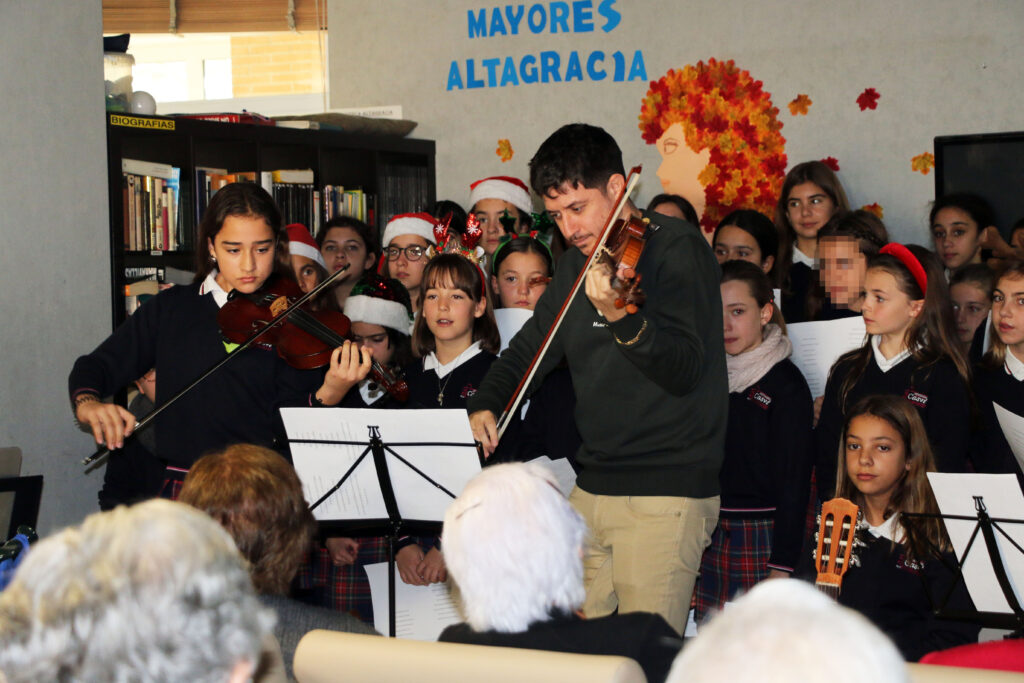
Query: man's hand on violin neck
x=485, y=430
x=601, y=294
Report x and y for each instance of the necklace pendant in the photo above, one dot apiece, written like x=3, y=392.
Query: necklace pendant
x=440, y=399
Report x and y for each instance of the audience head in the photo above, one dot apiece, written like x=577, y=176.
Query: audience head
x=747, y=235
x=514, y=544
x=254, y=493
x=152, y=592
x=784, y=631
x=845, y=246
x=675, y=206
x=521, y=268
x=747, y=306
x=957, y=221
x=1007, y=314
x=970, y=289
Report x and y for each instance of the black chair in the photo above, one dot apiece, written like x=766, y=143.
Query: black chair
x=28, y=491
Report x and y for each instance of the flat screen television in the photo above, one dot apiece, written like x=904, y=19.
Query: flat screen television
x=990, y=165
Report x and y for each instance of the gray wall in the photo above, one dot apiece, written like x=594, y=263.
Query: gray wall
x=53, y=216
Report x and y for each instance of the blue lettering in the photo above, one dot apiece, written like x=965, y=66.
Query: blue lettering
x=559, y=17
x=620, y=67
x=508, y=73
x=471, y=81
x=593, y=72
x=611, y=15
x=549, y=61
x=528, y=69
x=573, y=70
x=637, y=71
x=454, y=77
x=497, y=24
x=582, y=16
x=477, y=24
x=492, y=68
x=514, y=14
x=537, y=25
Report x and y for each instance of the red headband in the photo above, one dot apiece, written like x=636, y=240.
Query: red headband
x=907, y=258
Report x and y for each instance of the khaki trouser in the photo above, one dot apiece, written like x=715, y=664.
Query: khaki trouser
x=644, y=552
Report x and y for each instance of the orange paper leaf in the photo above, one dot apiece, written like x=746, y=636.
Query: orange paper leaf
x=923, y=163
x=875, y=208
x=504, y=150
x=800, y=105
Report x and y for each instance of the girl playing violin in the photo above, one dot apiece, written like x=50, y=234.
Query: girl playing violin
x=177, y=333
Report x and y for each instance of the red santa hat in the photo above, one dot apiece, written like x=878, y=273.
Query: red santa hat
x=421, y=224
x=511, y=190
x=301, y=243
x=380, y=301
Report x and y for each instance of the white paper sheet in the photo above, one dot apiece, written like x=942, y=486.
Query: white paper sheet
x=509, y=322
x=565, y=475
x=421, y=612
x=1013, y=429
x=1003, y=499
x=320, y=466
x=818, y=345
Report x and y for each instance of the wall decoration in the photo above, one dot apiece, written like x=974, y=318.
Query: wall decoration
x=504, y=150
x=923, y=163
x=868, y=99
x=718, y=136
x=800, y=105
x=875, y=208
x=832, y=163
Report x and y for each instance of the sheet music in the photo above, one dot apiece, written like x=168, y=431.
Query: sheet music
x=1013, y=429
x=565, y=475
x=421, y=612
x=1003, y=499
x=320, y=466
x=509, y=322
x=818, y=345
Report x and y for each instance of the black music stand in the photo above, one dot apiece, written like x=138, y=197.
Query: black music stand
x=384, y=458
x=987, y=526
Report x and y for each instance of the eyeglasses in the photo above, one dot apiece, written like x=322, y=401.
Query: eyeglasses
x=412, y=253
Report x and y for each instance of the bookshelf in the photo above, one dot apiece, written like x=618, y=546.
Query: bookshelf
x=396, y=175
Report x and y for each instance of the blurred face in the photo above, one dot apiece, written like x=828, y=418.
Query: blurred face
x=956, y=237
x=244, y=252
x=736, y=244
x=681, y=167
x=1008, y=313
x=344, y=246
x=375, y=338
x=305, y=272
x=521, y=279
x=743, y=320
x=842, y=269
x=581, y=212
x=489, y=212
x=449, y=313
x=970, y=307
x=808, y=207
x=887, y=311
x=876, y=458
x=404, y=265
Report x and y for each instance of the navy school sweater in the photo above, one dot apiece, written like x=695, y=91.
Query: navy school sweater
x=990, y=451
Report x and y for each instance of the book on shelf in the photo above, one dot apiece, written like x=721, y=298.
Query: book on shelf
x=151, y=201
x=337, y=201
x=295, y=194
x=230, y=117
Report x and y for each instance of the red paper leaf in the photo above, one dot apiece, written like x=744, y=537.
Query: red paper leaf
x=868, y=99
x=831, y=162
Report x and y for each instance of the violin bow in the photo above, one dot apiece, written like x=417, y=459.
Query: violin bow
x=281, y=317
x=517, y=396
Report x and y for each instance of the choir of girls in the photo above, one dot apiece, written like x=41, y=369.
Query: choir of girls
x=906, y=402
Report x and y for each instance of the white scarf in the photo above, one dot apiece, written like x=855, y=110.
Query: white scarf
x=748, y=367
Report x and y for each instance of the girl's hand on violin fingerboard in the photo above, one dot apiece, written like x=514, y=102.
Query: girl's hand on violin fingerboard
x=350, y=364
x=602, y=295
x=110, y=423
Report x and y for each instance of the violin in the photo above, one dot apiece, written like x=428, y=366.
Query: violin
x=306, y=340
x=621, y=253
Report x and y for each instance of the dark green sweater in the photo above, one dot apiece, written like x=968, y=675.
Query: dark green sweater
x=652, y=414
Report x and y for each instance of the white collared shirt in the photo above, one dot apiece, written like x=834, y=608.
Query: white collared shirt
x=801, y=257
x=210, y=286
x=890, y=529
x=1014, y=365
x=430, y=361
x=887, y=364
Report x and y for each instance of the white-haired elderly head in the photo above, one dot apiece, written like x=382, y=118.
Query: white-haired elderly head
x=513, y=545
x=154, y=592
x=786, y=631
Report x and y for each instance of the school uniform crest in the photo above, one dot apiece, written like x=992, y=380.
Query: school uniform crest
x=467, y=391
x=761, y=399
x=917, y=398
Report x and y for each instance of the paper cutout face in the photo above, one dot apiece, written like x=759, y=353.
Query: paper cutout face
x=681, y=167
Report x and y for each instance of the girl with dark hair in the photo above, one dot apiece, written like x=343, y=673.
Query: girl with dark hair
x=521, y=268
x=497, y=201
x=347, y=241
x=766, y=474
x=845, y=245
x=810, y=196
x=675, y=206
x=970, y=289
x=912, y=351
x=999, y=379
x=903, y=563
x=747, y=235
x=177, y=333
x=957, y=221
x=409, y=243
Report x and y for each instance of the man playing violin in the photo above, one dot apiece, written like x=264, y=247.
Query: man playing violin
x=652, y=394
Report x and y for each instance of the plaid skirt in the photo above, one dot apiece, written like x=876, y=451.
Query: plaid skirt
x=736, y=559
x=345, y=589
